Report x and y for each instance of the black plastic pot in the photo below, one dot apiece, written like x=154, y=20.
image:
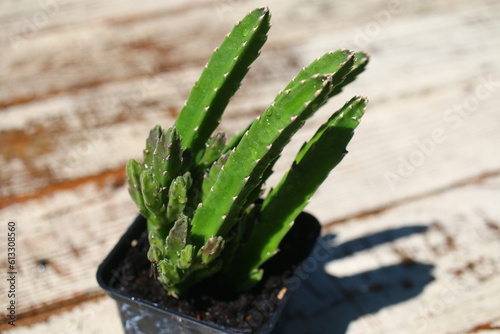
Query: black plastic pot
x=141, y=316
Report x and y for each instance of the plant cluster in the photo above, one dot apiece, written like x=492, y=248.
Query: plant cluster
x=201, y=194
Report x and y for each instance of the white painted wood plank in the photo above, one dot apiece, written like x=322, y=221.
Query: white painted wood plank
x=429, y=266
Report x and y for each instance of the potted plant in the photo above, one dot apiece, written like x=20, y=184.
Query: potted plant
x=205, y=232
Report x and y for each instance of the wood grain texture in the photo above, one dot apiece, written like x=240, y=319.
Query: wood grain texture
x=83, y=81
x=428, y=266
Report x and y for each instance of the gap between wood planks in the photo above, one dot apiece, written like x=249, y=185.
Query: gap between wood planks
x=489, y=326
x=381, y=209
x=44, y=312
x=133, y=18
x=84, y=86
x=116, y=176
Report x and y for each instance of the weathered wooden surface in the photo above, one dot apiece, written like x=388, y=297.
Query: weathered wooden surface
x=428, y=266
x=82, y=83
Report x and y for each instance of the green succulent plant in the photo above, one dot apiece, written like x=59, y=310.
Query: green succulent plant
x=200, y=192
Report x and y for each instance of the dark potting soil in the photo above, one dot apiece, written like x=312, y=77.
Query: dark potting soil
x=246, y=312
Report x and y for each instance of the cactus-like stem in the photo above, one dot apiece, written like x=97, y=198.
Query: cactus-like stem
x=177, y=197
x=221, y=79
x=177, y=238
x=186, y=256
x=337, y=64
x=169, y=273
x=361, y=60
x=134, y=171
x=180, y=267
x=239, y=234
x=213, y=149
x=156, y=250
x=247, y=163
x=211, y=250
x=235, y=140
x=167, y=157
x=151, y=142
x=265, y=140
x=212, y=175
x=151, y=193
x=284, y=203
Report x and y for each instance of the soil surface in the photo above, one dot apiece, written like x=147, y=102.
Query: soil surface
x=244, y=313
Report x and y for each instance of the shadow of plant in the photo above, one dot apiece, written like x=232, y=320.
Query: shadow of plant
x=327, y=304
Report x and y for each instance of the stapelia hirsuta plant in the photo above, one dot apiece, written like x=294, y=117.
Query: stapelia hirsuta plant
x=202, y=194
